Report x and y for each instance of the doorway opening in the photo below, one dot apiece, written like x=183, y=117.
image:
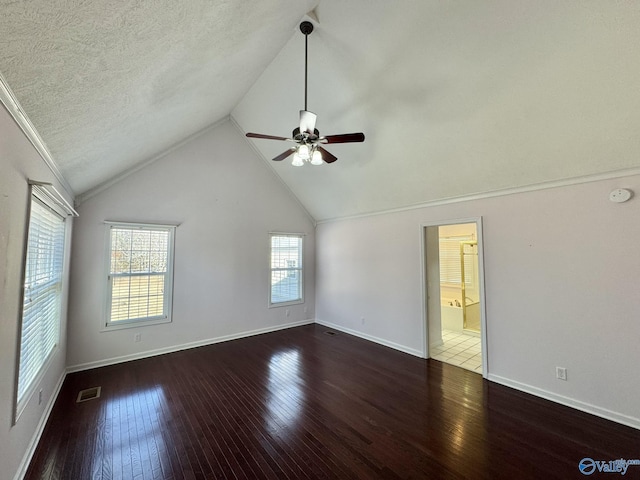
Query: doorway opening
x=454, y=294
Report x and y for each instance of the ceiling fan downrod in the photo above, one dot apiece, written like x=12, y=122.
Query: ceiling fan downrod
x=306, y=28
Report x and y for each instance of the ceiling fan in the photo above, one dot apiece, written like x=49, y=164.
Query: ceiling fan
x=308, y=141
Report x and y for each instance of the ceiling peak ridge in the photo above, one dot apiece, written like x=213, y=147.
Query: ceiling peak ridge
x=312, y=16
x=272, y=170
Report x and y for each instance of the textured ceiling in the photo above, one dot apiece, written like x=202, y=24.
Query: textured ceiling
x=109, y=84
x=455, y=98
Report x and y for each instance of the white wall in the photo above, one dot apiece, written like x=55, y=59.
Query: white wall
x=226, y=200
x=561, y=272
x=19, y=162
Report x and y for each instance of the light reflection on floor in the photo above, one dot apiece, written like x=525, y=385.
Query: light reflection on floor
x=285, y=393
x=135, y=423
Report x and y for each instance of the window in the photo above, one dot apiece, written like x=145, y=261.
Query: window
x=450, y=271
x=41, y=303
x=140, y=273
x=286, y=269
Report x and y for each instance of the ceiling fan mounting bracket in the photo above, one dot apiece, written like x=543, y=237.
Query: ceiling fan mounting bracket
x=306, y=27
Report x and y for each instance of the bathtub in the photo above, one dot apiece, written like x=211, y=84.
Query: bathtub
x=451, y=316
x=453, y=319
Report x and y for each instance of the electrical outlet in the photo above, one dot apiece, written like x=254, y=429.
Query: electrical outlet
x=362, y=320
x=137, y=337
x=286, y=312
x=39, y=397
x=561, y=373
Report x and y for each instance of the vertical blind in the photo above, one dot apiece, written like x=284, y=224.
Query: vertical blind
x=286, y=268
x=42, y=293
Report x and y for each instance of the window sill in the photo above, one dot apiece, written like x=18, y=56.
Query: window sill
x=286, y=304
x=134, y=324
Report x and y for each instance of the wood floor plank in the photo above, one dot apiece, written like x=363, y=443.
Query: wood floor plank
x=300, y=404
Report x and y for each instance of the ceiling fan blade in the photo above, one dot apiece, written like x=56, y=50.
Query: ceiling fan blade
x=307, y=121
x=327, y=156
x=284, y=155
x=343, y=138
x=267, y=137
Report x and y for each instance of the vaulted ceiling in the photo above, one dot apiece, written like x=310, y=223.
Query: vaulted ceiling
x=455, y=98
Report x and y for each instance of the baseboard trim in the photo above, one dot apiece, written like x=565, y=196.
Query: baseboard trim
x=31, y=449
x=569, y=402
x=184, y=346
x=371, y=338
x=538, y=392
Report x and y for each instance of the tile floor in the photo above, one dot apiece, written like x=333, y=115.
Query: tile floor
x=460, y=349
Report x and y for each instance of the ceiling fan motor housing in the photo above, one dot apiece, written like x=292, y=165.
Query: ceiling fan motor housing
x=305, y=137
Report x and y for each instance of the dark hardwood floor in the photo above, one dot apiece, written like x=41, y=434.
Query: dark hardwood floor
x=302, y=404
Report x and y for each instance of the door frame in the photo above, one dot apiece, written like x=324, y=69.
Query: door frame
x=423, y=283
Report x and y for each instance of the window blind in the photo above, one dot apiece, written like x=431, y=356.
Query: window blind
x=140, y=273
x=450, y=271
x=42, y=294
x=286, y=268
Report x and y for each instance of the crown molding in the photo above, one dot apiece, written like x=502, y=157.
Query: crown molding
x=495, y=193
x=10, y=102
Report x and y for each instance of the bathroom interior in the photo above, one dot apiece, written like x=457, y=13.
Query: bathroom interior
x=459, y=285
x=455, y=328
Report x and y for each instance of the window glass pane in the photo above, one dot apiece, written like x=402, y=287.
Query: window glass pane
x=140, y=241
x=285, y=287
x=158, y=261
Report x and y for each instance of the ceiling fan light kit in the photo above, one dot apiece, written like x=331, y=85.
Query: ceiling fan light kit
x=307, y=138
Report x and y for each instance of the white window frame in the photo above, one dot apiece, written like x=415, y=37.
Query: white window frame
x=166, y=317
x=299, y=269
x=42, y=289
